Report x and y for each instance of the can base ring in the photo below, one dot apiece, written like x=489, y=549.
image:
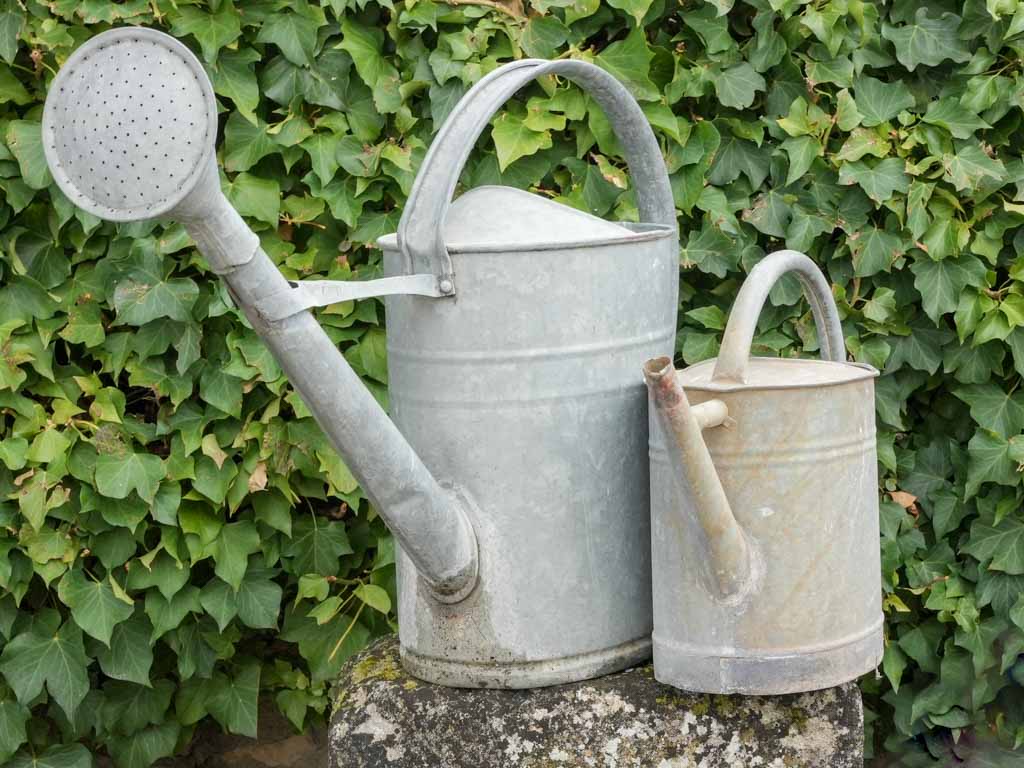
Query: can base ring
x=526, y=674
x=692, y=668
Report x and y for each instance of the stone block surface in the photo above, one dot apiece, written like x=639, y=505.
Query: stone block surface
x=383, y=717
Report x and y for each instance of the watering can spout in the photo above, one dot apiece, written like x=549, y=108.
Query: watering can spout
x=428, y=520
x=728, y=552
x=126, y=182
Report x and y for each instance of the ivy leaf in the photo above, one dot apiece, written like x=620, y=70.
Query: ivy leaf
x=142, y=749
x=861, y=142
x=712, y=27
x=770, y=214
x=162, y=572
x=941, y=283
x=921, y=348
x=998, y=547
x=234, y=702
x=66, y=756
x=246, y=142
x=1000, y=590
x=138, y=303
x=710, y=251
x=57, y=660
x=13, y=717
x=213, y=31
x=94, y=606
x=11, y=89
x=802, y=151
x=130, y=655
x=951, y=115
x=364, y=46
x=894, y=662
x=879, y=101
x=165, y=614
x=221, y=390
x=231, y=551
x=294, y=34
x=375, y=597
x=737, y=86
x=635, y=8
x=736, y=157
x=25, y=140
x=874, y=250
x=234, y=78
x=316, y=546
x=325, y=647
x=1017, y=612
x=629, y=60
x=119, y=475
x=514, y=139
x=969, y=165
x=256, y=197
x=129, y=707
x=989, y=460
x=543, y=35
x=927, y=41
x=273, y=509
x=259, y=601
x=879, y=181
x=994, y=409
x=12, y=20
x=322, y=149
x=220, y=601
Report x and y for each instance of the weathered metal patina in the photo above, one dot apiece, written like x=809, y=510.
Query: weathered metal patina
x=765, y=508
x=515, y=481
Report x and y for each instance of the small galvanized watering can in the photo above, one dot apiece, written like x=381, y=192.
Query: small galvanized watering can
x=764, y=508
x=515, y=480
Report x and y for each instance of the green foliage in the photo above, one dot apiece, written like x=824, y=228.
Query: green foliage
x=177, y=537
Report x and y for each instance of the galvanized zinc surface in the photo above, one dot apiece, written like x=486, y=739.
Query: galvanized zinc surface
x=778, y=373
x=764, y=509
x=489, y=217
x=509, y=217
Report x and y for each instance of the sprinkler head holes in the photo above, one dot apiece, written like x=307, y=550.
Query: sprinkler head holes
x=129, y=124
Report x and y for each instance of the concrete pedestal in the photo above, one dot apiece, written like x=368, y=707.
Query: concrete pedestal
x=383, y=717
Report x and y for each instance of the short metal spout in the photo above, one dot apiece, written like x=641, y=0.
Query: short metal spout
x=729, y=553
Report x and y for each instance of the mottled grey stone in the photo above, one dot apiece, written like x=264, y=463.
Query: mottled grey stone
x=384, y=717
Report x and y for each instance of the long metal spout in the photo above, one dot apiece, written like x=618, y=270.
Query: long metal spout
x=161, y=164
x=429, y=521
x=728, y=551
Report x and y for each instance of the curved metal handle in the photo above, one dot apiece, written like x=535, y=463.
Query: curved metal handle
x=739, y=331
x=421, y=229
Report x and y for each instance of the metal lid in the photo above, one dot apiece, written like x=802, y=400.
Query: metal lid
x=778, y=373
x=493, y=217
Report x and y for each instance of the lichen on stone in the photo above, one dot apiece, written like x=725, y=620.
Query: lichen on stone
x=625, y=720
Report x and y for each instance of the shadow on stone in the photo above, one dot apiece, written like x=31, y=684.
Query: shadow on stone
x=383, y=717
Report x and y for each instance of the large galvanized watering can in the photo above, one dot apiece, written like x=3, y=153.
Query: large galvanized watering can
x=515, y=480
x=764, y=507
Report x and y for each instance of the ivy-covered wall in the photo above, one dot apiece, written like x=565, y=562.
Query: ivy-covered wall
x=176, y=538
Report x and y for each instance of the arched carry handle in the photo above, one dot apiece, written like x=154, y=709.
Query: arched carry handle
x=421, y=229
x=739, y=332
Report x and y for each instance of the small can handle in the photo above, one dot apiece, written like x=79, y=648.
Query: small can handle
x=731, y=365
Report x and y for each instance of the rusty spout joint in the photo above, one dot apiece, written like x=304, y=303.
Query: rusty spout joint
x=660, y=374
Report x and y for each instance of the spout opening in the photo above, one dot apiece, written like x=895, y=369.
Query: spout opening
x=660, y=374
x=657, y=367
